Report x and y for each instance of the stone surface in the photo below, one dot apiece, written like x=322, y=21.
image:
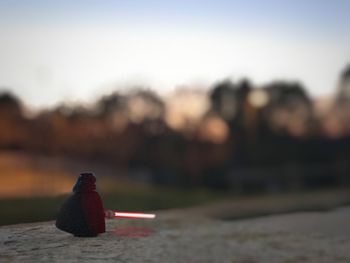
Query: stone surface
x=182, y=236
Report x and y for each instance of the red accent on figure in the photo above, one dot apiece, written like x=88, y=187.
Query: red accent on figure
x=94, y=212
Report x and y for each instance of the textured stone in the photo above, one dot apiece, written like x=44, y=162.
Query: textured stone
x=188, y=237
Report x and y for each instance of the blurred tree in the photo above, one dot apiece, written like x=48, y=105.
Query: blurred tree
x=229, y=101
x=343, y=95
x=337, y=123
x=290, y=109
x=10, y=103
x=107, y=105
x=12, y=132
x=145, y=105
x=224, y=101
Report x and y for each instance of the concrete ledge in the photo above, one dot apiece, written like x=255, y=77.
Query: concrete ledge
x=173, y=237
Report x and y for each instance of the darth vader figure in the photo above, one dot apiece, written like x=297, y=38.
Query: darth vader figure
x=82, y=214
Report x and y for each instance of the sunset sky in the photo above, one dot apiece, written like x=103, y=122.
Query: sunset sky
x=52, y=51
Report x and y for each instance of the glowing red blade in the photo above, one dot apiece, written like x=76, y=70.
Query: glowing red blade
x=133, y=215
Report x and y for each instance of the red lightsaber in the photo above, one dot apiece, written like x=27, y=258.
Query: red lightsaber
x=133, y=215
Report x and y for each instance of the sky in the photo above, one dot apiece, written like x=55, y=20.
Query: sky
x=75, y=51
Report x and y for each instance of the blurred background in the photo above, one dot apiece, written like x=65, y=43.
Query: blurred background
x=171, y=104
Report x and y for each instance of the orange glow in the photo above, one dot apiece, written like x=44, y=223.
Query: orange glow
x=22, y=177
x=139, y=109
x=185, y=107
x=119, y=122
x=296, y=126
x=258, y=98
x=214, y=129
x=333, y=127
x=26, y=183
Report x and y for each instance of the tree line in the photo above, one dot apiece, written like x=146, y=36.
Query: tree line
x=241, y=137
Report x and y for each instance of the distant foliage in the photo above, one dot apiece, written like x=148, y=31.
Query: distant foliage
x=192, y=137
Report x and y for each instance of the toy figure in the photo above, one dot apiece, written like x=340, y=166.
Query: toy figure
x=82, y=214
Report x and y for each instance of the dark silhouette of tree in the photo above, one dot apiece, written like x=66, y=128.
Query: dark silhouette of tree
x=12, y=131
x=287, y=94
x=223, y=98
x=228, y=100
x=10, y=103
x=289, y=109
x=343, y=96
x=145, y=105
x=107, y=105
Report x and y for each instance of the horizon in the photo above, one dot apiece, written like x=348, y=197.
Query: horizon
x=56, y=52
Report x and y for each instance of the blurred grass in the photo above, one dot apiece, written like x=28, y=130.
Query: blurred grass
x=25, y=210
x=145, y=198
x=33, y=187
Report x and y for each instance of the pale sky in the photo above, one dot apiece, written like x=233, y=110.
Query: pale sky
x=52, y=51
